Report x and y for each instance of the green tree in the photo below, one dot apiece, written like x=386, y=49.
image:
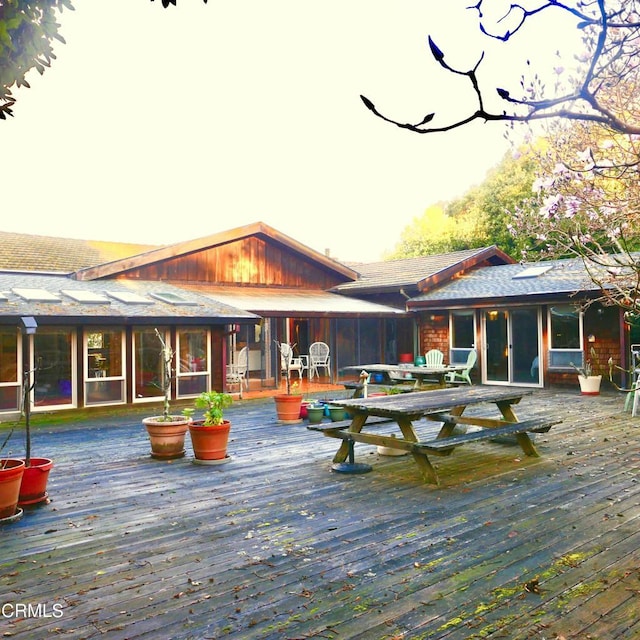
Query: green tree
x=480, y=217
x=27, y=31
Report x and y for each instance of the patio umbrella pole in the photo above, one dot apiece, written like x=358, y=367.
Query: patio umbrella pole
x=351, y=466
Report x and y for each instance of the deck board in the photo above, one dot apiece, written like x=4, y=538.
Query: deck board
x=274, y=545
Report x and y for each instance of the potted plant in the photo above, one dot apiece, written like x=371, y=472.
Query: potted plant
x=589, y=376
x=315, y=413
x=287, y=404
x=11, y=472
x=210, y=435
x=166, y=432
x=33, y=488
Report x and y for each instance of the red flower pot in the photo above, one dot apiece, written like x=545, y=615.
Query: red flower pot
x=288, y=408
x=209, y=441
x=33, y=488
x=11, y=472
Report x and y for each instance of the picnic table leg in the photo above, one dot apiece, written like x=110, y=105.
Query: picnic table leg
x=356, y=426
x=525, y=442
x=424, y=464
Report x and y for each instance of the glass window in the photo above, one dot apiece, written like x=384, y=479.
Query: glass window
x=9, y=369
x=193, y=370
x=54, y=352
x=565, y=336
x=462, y=335
x=147, y=365
x=104, y=366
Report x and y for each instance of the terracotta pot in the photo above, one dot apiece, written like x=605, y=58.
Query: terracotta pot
x=288, y=408
x=11, y=471
x=167, y=438
x=209, y=441
x=34, y=482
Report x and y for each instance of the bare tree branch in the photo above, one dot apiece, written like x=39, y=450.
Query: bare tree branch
x=613, y=39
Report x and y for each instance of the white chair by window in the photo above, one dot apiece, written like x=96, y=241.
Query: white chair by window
x=464, y=376
x=434, y=358
x=237, y=372
x=296, y=363
x=319, y=358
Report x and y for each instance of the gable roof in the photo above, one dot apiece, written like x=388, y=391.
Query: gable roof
x=562, y=278
x=259, y=229
x=26, y=252
x=421, y=273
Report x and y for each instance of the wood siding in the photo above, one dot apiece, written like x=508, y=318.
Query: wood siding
x=251, y=261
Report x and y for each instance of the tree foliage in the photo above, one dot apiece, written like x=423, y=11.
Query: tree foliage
x=586, y=200
x=480, y=217
x=586, y=204
x=27, y=31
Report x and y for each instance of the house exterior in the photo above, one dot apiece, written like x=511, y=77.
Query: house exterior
x=85, y=315
x=528, y=323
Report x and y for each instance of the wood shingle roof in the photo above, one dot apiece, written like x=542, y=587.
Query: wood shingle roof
x=416, y=274
x=26, y=252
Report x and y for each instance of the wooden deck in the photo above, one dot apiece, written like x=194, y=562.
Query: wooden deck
x=274, y=545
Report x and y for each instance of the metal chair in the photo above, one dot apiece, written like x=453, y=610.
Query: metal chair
x=464, y=376
x=434, y=358
x=296, y=363
x=237, y=373
x=319, y=358
x=633, y=397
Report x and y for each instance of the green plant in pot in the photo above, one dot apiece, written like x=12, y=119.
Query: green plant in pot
x=589, y=375
x=288, y=404
x=210, y=435
x=166, y=432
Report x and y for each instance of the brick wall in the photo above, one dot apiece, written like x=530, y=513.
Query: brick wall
x=434, y=333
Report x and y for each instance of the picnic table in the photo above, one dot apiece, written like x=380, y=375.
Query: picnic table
x=441, y=405
x=420, y=377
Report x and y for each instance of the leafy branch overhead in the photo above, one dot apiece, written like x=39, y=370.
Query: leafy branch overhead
x=166, y=3
x=27, y=31
x=610, y=37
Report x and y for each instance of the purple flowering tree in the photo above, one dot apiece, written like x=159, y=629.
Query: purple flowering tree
x=586, y=204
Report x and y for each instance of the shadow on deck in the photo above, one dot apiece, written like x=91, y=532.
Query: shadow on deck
x=274, y=545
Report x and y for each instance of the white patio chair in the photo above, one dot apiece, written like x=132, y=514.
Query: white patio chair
x=237, y=372
x=296, y=363
x=464, y=376
x=434, y=358
x=319, y=358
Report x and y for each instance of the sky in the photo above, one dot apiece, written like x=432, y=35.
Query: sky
x=160, y=125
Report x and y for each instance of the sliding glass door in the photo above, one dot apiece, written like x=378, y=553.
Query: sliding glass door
x=512, y=346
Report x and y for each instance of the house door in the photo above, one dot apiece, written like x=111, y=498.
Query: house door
x=512, y=346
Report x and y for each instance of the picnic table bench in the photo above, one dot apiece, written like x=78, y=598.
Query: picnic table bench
x=443, y=405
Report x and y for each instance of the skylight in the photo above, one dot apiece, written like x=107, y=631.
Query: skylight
x=128, y=297
x=36, y=295
x=533, y=272
x=86, y=296
x=172, y=298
